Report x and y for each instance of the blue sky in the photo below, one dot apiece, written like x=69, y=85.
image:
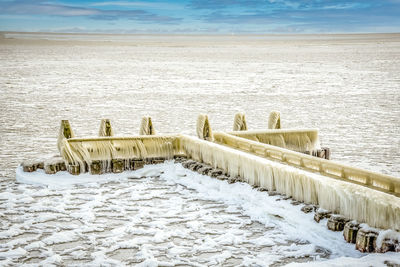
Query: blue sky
x=201, y=16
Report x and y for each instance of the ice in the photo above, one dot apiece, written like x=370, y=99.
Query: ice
x=387, y=234
x=62, y=178
x=61, y=237
x=15, y=253
x=166, y=215
x=376, y=260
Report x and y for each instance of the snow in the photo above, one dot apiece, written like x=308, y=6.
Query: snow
x=161, y=215
x=59, y=179
x=376, y=260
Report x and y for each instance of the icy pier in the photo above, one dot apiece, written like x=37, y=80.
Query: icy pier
x=336, y=189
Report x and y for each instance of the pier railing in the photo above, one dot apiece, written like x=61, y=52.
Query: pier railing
x=300, y=140
x=101, y=154
x=332, y=169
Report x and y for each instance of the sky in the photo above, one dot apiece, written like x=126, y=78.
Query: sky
x=201, y=16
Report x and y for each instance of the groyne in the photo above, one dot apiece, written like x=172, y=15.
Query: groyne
x=356, y=194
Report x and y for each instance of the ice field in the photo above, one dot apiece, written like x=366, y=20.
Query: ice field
x=347, y=86
x=160, y=215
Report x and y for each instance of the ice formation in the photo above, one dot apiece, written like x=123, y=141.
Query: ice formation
x=203, y=128
x=239, y=123
x=376, y=208
x=274, y=121
x=146, y=127
x=300, y=140
x=361, y=203
x=329, y=168
x=364, y=204
x=65, y=132
x=105, y=128
x=82, y=151
x=179, y=217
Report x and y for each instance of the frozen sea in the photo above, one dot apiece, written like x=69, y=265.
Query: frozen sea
x=348, y=86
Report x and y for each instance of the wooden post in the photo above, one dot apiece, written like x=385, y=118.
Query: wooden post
x=350, y=232
x=146, y=127
x=327, y=152
x=118, y=165
x=203, y=128
x=239, y=123
x=74, y=169
x=65, y=132
x=366, y=240
x=274, y=121
x=138, y=164
x=105, y=128
x=336, y=223
x=96, y=167
x=66, y=129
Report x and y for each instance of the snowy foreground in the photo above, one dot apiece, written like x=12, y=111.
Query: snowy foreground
x=162, y=215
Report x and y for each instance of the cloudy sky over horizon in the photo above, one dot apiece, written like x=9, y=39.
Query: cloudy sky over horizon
x=201, y=16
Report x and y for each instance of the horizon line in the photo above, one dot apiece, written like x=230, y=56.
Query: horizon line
x=196, y=33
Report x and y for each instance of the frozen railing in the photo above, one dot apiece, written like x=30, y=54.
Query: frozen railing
x=356, y=202
x=333, y=169
x=84, y=152
x=112, y=153
x=300, y=140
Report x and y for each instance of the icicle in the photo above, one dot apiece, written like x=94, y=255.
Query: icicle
x=239, y=123
x=360, y=203
x=274, y=121
x=105, y=128
x=146, y=127
x=83, y=151
x=65, y=132
x=203, y=128
x=300, y=140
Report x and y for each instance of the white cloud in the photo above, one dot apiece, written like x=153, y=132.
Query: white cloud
x=140, y=4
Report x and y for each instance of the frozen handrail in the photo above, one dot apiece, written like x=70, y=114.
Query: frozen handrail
x=382, y=182
x=83, y=151
x=300, y=140
x=356, y=202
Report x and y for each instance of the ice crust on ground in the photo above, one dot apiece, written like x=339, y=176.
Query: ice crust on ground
x=161, y=215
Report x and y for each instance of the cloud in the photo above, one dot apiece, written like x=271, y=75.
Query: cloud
x=285, y=4
x=139, y=4
x=253, y=16
x=221, y=4
x=311, y=14
x=28, y=7
x=160, y=30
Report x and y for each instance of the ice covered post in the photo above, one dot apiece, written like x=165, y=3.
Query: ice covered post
x=274, y=121
x=105, y=128
x=239, y=123
x=203, y=128
x=64, y=134
x=146, y=127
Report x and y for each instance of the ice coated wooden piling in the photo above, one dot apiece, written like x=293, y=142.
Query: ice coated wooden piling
x=105, y=128
x=350, y=231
